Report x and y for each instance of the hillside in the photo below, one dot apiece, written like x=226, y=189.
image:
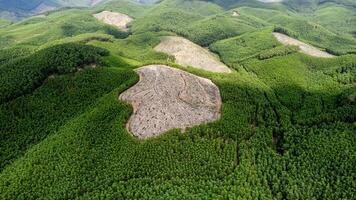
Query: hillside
x=178, y=99
x=17, y=9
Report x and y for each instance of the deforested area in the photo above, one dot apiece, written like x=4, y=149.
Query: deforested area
x=167, y=98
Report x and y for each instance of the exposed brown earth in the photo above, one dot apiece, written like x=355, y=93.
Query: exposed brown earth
x=113, y=18
x=167, y=98
x=235, y=13
x=187, y=53
x=303, y=47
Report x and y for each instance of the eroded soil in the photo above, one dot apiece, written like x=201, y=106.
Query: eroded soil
x=187, y=53
x=167, y=98
x=114, y=18
x=303, y=47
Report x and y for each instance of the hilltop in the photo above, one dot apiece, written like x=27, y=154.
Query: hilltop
x=18, y=9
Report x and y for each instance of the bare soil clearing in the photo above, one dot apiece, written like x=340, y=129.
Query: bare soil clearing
x=113, y=18
x=189, y=54
x=235, y=13
x=167, y=98
x=303, y=47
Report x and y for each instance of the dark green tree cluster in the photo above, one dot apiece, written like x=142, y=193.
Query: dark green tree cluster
x=7, y=55
x=285, y=31
x=21, y=76
x=29, y=119
x=118, y=34
x=278, y=51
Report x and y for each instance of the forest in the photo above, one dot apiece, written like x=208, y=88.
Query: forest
x=287, y=124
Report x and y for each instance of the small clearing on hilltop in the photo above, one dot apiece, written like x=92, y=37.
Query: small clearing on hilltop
x=303, y=47
x=167, y=98
x=113, y=18
x=235, y=13
x=189, y=54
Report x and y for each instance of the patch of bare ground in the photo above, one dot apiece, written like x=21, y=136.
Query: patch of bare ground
x=114, y=18
x=235, y=13
x=189, y=54
x=166, y=98
x=303, y=47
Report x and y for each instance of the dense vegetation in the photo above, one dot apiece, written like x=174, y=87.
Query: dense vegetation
x=23, y=75
x=287, y=127
x=18, y=9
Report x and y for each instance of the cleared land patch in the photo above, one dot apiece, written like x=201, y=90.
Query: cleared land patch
x=114, y=18
x=303, y=47
x=167, y=98
x=189, y=54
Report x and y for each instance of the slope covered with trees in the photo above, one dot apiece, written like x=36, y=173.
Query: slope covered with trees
x=287, y=126
x=18, y=9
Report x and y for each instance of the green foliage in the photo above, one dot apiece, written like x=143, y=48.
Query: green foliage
x=341, y=69
x=338, y=19
x=38, y=31
x=236, y=157
x=316, y=34
x=285, y=31
x=165, y=20
x=4, y=23
x=82, y=39
x=23, y=75
x=287, y=120
x=118, y=34
x=29, y=119
x=278, y=51
x=196, y=20
x=128, y=7
x=311, y=5
x=81, y=24
x=138, y=47
x=7, y=55
x=237, y=49
x=207, y=31
x=326, y=34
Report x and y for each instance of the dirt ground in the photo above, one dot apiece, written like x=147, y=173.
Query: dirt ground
x=303, y=47
x=113, y=18
x=167, y=98
x=235, y=13
x=189, y=54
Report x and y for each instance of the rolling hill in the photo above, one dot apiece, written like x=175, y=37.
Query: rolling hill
x=18, y=9
x=110, y=108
